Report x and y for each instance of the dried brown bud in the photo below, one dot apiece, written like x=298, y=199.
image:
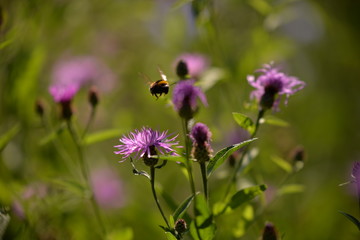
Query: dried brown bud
x=93, y=96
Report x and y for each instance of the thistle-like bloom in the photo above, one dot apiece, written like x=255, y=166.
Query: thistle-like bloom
x=191, y=64
x=69, y=75
x=146, y=142
x=201, y=135
x=271, y=85
x=185, y=96
x=64, y=92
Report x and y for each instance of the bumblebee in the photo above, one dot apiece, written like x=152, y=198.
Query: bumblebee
x=160, y=86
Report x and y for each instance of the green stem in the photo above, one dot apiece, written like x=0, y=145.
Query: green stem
x=189, y=170
x=204, y=179
x=152, y=181
x=89, y=122
x=84, y=171
x=244, y=153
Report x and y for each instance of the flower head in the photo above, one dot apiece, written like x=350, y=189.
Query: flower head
x=269, y=232
x=185, y=97
x=271, y=85
x=201, y=135
x=145, y=143
x=191, y=64
x=64, y=92
x=69, y=75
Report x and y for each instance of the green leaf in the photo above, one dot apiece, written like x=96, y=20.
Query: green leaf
x=172, y=158
x=352, y=219
x=6, y=138
x=182, y=208
x=101, y=136
x=291, y=188
x=210, y=77
x=282, y=163
x=223, y=154
x=245, y=195
x=261, y=6
x=204, y=220
x=170, y=236
x=244, y=121
x=272, y=120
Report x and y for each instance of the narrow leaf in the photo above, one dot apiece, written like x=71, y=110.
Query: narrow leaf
x=6, y=138
x=291, y=188
x=101, y=136
x=271, y=120
x=282, y=163
x=244, y=121
x=170, y=236
x=352, y=219
x=182, y=208
x=246, y=195
x=223, y=154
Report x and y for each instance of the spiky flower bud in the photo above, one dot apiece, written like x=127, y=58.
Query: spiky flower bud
x=39, y=107
x=180, y=226
x=269, y=232
x=93, y=96
x=182, y=69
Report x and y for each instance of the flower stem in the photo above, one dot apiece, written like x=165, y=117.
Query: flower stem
x=89, y=122
x=189, y=170
x=84, y=171
x=204, y=179
x=152, y=181
x=244, y=153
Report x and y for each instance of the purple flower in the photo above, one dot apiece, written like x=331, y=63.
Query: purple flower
x=271, y=85
x=64, y=92
x=195, y=64
x=69, y=75
x=108, y=189
x=200, y=133
x=185, y=97
x=146, y=142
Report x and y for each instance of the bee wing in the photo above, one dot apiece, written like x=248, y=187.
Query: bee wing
x=146, y=77
x=163, y=76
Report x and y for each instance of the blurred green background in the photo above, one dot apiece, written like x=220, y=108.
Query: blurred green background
x=317, y=41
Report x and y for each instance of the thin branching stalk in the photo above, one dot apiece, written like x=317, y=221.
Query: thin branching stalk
x=244, y=153
x=84, y=171
x=89, y=122
x=152, y=181
x=189, y=170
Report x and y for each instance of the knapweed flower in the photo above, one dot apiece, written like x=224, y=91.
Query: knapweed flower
x=82, y=70
x=271, y=85
x=185, y=96
x=201, y=135
x=191, y=65
x=145, y=143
